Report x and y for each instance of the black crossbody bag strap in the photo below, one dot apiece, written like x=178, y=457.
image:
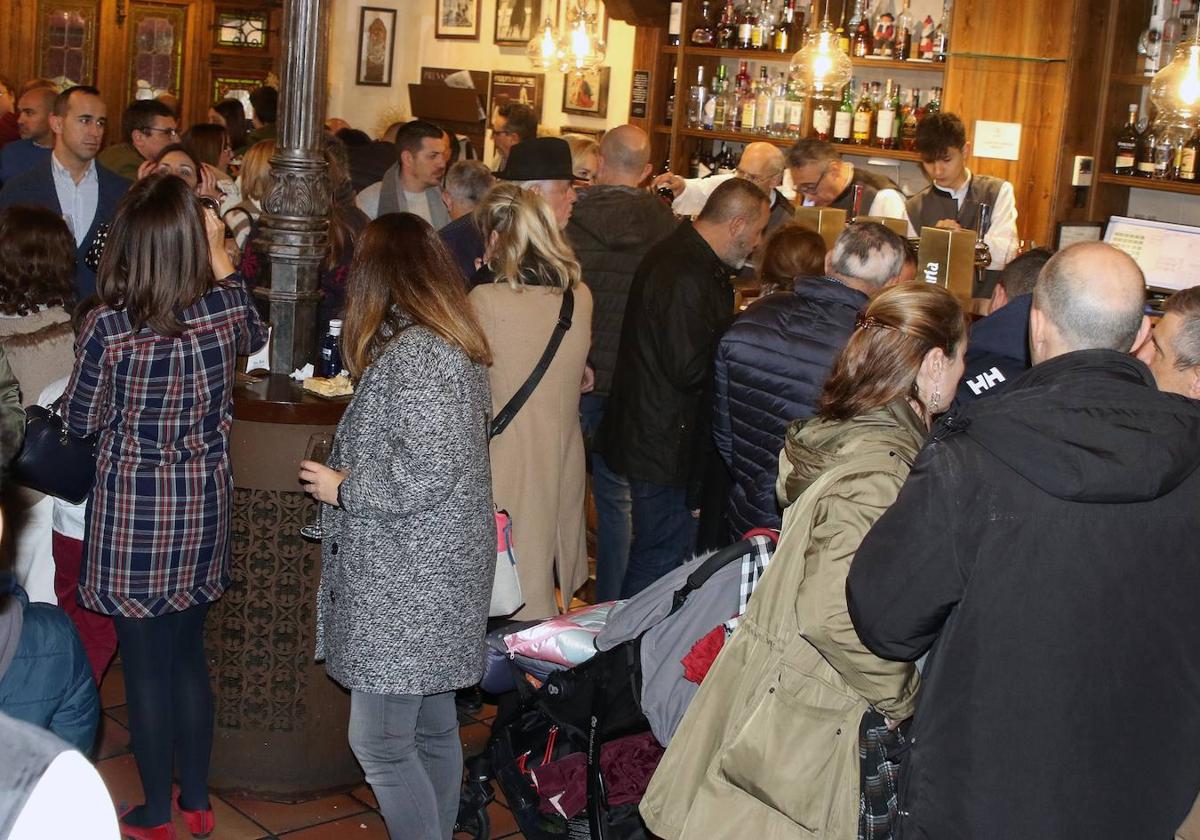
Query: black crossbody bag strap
x=506, y=414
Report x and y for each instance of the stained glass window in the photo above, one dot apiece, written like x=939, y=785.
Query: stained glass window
x=67, y=42
x=242, y=29
x=158, y=38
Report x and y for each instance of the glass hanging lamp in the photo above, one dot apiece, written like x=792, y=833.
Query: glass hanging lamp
x=820, y=67
x=545, y=48
x=1176, y=88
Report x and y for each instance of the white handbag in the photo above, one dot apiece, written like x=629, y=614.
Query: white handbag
x=506, y=586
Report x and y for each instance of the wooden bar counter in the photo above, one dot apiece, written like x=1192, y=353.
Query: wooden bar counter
x=280, y=727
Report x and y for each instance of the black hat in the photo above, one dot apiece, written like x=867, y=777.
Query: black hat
x=539, y=159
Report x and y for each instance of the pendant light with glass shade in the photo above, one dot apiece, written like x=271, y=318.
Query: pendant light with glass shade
x=578, y=50
x=820, y=66
x=1176, y=88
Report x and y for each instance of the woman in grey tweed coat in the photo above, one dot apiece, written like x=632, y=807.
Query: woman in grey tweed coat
x=409, y=550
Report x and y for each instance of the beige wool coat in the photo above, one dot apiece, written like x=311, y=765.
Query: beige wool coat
x=768, y=749
x=538, y=469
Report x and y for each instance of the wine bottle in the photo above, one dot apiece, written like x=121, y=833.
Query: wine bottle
x=843, y=122
x=675, y=22
x=885, y=120
x=1127, y=145
x=1188, y=158
x=822, y=118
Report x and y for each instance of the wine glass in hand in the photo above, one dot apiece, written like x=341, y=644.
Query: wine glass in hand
x=320, y=446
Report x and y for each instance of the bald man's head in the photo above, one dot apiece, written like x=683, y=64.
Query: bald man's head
x=1090, y=296
x=763, y=164
x=624, y=156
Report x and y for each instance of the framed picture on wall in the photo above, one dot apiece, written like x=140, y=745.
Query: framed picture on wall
x=376, y=46
x=517, y=20
x=456, y=20
x=595, y=12
x=586, y=93
x=596, y=134
x=516, y=87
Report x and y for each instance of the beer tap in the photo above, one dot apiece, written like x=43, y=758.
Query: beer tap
x=983, y=254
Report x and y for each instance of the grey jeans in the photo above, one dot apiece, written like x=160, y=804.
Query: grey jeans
x=409, y=749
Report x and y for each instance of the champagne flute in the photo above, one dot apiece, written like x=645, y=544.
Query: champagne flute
x=320, y=446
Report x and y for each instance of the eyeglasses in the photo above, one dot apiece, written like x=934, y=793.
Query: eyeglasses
x=757, y=179
x=809, y=189
x=170, y=132
x=504, y=131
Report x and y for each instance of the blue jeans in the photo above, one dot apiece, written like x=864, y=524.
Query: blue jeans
x=408, y=747
x=664, y=534
x=610, y=492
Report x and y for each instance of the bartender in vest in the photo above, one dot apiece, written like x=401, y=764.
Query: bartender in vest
x=952, y=200
x=823, y=179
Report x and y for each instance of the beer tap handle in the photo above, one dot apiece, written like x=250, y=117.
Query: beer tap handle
x=858, y=197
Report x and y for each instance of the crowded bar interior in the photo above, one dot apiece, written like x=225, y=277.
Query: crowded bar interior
x=613, y=419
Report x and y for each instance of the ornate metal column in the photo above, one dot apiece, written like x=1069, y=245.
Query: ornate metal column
x=295, y=227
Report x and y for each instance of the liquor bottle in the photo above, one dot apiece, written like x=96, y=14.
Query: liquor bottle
x=795, y=109
x=822, y=118
x=885, y=120
x=934, y=105
x=1172, y=34
x=862, y=42
x=1164, y=155
x=941, y=35
x=748, y=105
x=784, y=35
x=885, y=30
x=864, y=118
x=743, y=77
x=845, y=31
x=331, y=351
x=708, y=112
x=1127, y=145
x=696, y=99
x=720, y=100
x=843, y=121
x=704, y=34
x=759, y=39
x=906, y=26
x=727, y=28
x=1188, y=158
x=1145, y=152
x=876, y=95
x=779, y=107
x=745, y=28
x=909, y=122
x=674, y=26
x=670, y=110
x=765, y=93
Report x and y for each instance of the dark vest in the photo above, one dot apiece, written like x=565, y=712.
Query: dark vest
x=931, y=205
x=871, y=184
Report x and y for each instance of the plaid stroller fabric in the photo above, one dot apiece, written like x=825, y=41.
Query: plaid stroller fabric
x=880, y=753
x=754, y=563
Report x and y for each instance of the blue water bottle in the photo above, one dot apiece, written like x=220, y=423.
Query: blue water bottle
x=331, y=351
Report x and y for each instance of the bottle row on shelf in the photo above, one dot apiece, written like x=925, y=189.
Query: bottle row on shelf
x=1161, y=151
x=880, y=116
x=779, y=26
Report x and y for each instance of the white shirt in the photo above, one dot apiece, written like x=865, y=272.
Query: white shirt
x=70, y=800
x=77, y=201
x=418, y=205
x=696, y=192
x=1002, y=238
x=887, y=204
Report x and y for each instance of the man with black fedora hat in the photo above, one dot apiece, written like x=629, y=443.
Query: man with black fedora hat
x=543, y=165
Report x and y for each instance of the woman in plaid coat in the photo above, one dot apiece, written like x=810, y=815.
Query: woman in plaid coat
x=154, y=376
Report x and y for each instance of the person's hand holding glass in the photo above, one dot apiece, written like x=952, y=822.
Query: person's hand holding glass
x=320, y=481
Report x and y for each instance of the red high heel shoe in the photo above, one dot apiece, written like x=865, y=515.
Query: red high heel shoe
x=199, y=823
x=166, y=831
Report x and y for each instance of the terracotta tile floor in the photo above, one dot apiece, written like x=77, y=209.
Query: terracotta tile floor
x=351, y=815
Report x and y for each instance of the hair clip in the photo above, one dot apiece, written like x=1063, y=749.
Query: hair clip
x=866, y=322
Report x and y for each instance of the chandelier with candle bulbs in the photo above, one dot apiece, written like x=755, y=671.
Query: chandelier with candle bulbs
x=579, y=48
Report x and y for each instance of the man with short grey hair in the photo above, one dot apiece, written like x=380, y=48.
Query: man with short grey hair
x=823, y=179
x=773, y=362
x=467, y=181
x=1173, y=350
x=1042, y=553
x=761, y=163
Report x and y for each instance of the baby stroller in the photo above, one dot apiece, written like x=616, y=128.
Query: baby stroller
x=574, y=749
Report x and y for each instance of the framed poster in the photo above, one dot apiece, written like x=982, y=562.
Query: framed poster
x=595, y=12
x=456, y=20
x=376, y=46
x=586, y=93
x=517, y=20
x=596, y=134
x=517, y=87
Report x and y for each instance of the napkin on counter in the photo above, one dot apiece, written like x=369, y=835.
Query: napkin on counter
x=306, y=372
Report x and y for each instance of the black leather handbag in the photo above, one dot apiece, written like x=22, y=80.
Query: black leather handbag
x=52, y=460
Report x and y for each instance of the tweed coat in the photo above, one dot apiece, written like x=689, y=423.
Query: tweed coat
x=537, y=463
x=408, y=560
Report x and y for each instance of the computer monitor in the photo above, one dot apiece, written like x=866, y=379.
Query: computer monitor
x=1165, y=252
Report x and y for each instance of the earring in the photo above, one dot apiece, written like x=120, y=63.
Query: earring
x=935, y=402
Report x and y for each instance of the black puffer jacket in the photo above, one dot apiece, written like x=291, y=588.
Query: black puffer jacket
x=770, y=368
x=1045, y=546
x=611, y=229
x=680, y=303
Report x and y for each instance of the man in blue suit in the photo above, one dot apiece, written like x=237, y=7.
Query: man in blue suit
x=71, y=183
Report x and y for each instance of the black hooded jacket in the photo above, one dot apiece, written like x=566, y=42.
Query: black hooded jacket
x=611, y=229
x=1047, y=546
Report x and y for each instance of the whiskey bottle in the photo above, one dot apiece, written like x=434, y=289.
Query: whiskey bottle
x=748, y=106
x=862, y=42
x=783, y=36
x=704, y=34
x=909, y=121
x=1127, y=145
x=843, y=121
x=822, y=118
x=864, y=118
x=745, y=28
x=1145, y=152
x=1188, y=158
x=727, y=28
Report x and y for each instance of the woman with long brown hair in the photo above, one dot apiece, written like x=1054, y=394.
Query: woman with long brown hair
x=537, y=463
x=770, y=745
x=154, y=376
x=408, y=551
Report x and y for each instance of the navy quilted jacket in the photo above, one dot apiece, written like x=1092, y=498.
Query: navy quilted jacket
x=771, y=366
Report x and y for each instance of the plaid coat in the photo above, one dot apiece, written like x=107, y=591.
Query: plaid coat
x=157, y=538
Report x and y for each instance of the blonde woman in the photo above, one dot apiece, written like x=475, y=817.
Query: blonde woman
x=538, y=461
x=255, y=181
x=585, y=158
